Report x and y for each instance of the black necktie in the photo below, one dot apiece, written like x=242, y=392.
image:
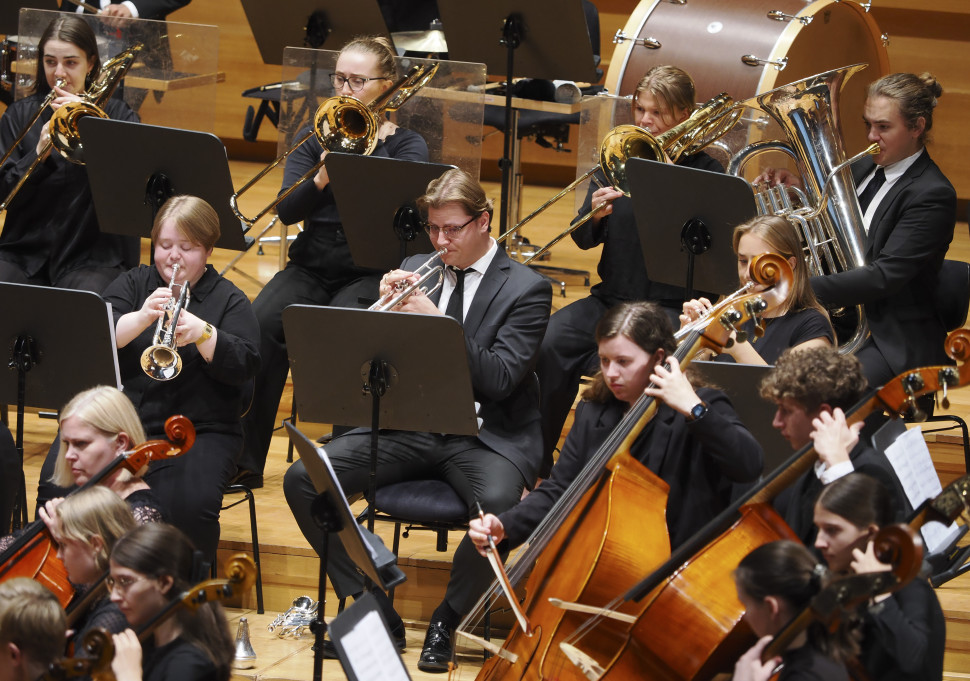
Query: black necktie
x=455, y=306
x=875, y=184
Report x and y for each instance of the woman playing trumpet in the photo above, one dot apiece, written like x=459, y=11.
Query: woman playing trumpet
x=800, y=323
x=70, y=251
x=216, y=338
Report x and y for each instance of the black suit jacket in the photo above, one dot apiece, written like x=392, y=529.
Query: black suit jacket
x=503, y=329
x=155, y=9
x=909, y=235
x=698, y=460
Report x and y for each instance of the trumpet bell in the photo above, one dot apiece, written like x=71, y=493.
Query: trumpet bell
x=64, y=131
x=161, y=362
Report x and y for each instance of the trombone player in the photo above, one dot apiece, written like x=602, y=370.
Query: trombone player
x=51, y=235
x=909, y=210
x=320, y=270
x=664, y=97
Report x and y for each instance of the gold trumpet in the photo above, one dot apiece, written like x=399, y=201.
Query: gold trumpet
x=161, y=359
x=64, y=135
x=624, y=142
x=403, y=291
x=343, y=124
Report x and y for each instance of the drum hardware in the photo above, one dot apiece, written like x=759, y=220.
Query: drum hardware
x=885, y=39
x=649, y=43
x=753, y=60
x=778, y=15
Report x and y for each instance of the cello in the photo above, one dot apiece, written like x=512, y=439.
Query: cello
x=610, y=523
x=33, y=553
x=692, y=591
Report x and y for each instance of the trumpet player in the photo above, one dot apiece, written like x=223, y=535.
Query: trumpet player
x=50, y=235
x=216, y=338
x=504, y=308
x=320, y=270
x=909, y=210
x=663, y=98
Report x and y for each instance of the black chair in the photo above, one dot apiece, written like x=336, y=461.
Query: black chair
x=254, y=536
x=952, y=302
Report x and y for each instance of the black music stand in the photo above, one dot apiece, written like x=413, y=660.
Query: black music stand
x=382, y=227
x=382, y=370
x=519, y=37
x=51, y=363
x=363, y=642
x=332, y=513
x=129, y=188
x=682, y=213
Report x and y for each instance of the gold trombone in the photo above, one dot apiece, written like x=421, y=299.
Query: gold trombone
x=64, y=135
x=59, y=83
x=343, y=124
x=161, y=359
x=624, y=142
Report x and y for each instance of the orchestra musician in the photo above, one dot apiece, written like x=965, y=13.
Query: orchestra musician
x=903, y=633
x=800, y=323
x=696, y=443
x=152, y=566
x=320, y=270
x=70, y=251
x=32, y=629
x=663, y=98
x=11, y=471
x=812, y=389
x=96, y=426
x=909, y=210
x=216, y=338
x=85, y=527
x=775, y=582
x=504, y=308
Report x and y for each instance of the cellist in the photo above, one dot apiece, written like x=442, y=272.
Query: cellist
x=695, y=443
x=32, y=628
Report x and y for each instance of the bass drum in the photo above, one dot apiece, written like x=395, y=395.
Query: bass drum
x=739, y=48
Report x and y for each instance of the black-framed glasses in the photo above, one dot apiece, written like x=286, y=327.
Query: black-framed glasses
x=356, y=82
x=449, y=232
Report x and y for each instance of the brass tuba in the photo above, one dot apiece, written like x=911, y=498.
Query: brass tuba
x=830, y=220
x=344, y=124
x=64, y=135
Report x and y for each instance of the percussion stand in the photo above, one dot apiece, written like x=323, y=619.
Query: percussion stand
x=32, y=324
x=675, y=227
x=377, y=370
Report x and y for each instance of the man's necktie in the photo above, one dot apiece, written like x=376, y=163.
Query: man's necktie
x=875, y=184
x=455, y=306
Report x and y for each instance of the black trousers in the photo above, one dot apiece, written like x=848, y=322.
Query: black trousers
x=10, y=475
x=95, y=279
x=475, y=472
x=294, y=285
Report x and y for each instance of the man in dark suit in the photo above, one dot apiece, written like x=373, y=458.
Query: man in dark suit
x=139, y=9
x=909, y=208
x=504, y=308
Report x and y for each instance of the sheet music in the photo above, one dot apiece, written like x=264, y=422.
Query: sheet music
x=370, y=653
x=910, y=458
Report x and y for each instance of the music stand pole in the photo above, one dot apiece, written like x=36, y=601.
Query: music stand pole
x=327, y=517
x=511, y=38
x=23, y=361
x=377, y=383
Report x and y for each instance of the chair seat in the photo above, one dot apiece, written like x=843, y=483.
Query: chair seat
x=422, y=501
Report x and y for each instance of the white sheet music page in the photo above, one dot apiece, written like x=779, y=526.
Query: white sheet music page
x=371, y=653
x=910, y=458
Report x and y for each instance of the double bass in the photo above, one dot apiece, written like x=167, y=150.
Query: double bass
x=610, y=524
x=33, y=553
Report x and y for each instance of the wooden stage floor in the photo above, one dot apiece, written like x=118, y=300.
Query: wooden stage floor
x=289, y=566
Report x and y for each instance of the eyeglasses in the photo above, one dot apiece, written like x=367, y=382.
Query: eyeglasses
x=123, y=583
x=356, y=82
x=449, y=232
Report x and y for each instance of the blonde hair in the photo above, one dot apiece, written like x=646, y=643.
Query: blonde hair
x=673, y=87
x=456, y=186
x=378, y=46
x=915, y=95
x=32, y=619
x=95, y=512
x=781, y=237
x=106, y=409
x=194, y=218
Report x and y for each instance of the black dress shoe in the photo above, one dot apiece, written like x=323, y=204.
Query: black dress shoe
x=437, y=651
x=330, y=650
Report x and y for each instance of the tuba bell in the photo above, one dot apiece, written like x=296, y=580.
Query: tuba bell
x=833, y=234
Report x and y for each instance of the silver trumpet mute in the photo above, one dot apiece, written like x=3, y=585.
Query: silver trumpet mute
x=245, y=655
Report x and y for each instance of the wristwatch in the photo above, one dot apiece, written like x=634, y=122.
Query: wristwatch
x=697, y=412
x=206, y=334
